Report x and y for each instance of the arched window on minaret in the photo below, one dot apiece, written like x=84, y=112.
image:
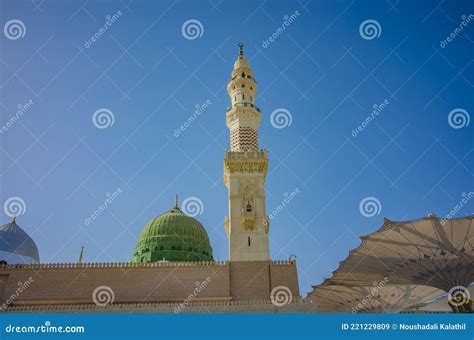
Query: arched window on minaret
x=249, y=206
x=248, y=240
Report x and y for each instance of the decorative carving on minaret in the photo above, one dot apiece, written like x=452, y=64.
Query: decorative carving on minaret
x=247, y=187
x=266, y=224
x=249, y=223
x=227, y=227
x=248, y=212
x=250, y=161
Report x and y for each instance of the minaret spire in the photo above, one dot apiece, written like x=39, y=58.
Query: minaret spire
x=243, y=119
x=241, y=49
x=81, y=255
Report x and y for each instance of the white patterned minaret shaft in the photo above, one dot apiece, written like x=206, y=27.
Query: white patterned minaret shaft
x=245, y=169
x=243, y=118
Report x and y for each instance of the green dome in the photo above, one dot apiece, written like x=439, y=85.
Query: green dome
x=173, y=236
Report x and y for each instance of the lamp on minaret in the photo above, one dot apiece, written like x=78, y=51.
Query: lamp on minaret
x=245, y=168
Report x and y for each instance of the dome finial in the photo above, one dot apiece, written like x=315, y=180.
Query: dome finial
x=14, y=219
x=241, y=49
x=176, y=202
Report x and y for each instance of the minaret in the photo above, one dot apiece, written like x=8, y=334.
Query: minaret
x=81, y=255
x=245, y=169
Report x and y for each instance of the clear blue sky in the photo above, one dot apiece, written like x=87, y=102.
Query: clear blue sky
x=151, y=77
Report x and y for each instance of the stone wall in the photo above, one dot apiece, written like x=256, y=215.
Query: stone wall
x=258, y=306
x=283, y=275
x=69, y=284
x=250, y=280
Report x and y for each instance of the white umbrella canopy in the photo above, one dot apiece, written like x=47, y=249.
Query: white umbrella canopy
x=429, y=251
x=370, y=299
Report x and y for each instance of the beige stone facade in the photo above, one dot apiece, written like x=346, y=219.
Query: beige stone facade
x=68, y=287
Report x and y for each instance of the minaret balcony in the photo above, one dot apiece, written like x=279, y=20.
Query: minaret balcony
x=251, y=161
x=244, y=155
x=241, y=82
x=241, y=113
x=243, y=105
x=243, y=77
